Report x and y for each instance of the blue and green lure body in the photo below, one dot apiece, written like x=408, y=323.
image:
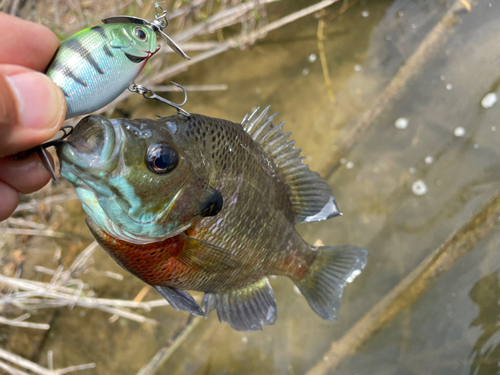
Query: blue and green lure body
x=94, y=66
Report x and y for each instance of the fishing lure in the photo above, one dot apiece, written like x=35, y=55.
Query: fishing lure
x=94, y=66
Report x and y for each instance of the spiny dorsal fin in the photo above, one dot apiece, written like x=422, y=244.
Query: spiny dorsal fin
x=311, y=196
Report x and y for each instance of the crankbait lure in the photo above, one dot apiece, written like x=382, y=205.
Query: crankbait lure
x=94, y=66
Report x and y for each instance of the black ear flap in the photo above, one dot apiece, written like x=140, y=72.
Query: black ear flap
x=212, y=205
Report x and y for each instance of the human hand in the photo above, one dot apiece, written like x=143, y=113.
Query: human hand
x=32, y=107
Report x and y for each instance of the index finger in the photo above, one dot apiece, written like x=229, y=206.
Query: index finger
x=26, y=43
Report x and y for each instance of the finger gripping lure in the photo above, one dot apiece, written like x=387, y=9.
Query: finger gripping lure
x=94, y=66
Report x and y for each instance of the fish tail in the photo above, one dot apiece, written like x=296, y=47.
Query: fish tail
x=332, y=269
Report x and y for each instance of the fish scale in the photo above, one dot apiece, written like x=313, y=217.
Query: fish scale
x=223, y=199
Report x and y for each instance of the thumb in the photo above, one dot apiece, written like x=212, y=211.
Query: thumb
x=32, y=109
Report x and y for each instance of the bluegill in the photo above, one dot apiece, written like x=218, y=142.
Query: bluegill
x=97, y=64
x=205, y=204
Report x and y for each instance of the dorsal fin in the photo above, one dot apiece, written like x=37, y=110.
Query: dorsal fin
x=311, y=196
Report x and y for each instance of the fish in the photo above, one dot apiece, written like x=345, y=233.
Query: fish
x=94, y=66
x=210, y=205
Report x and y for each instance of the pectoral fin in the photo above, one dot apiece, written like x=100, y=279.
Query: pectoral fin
x=206, y=256
x=180, y=300
x=245, y=309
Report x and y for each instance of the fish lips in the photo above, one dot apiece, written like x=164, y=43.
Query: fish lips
x=92, y=144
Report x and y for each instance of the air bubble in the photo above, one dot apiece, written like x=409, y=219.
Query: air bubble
x=489, y=100
x=401, y=123
x=449, y=86
x=459, y=131
x=349, y=165
x=429, y=160
x=357, y=68
x=419, y=188
x=365, y=13
x=312, y=58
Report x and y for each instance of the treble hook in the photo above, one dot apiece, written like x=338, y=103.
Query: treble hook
x=40, y=150
x=150, y=94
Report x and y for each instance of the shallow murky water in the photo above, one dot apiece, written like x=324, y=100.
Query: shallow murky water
x=412, y=152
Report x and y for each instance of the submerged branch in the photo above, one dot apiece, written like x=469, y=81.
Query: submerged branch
x=33, y=232
x=17, y=323
x=37, y=369
x=47, y=201
x=170, y=347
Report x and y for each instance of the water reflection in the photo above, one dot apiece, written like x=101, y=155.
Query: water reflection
x=486, y=352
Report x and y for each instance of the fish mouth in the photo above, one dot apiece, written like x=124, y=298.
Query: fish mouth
x=90, y=158
x=136, y=59
x=92, y=144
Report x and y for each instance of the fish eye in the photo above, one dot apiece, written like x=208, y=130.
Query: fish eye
x=161, y=158
x=141, y=34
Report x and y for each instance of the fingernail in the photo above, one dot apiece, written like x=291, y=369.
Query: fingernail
x=40, y=103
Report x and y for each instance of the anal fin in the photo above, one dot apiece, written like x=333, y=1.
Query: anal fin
x=245, y=309
x=180, y=300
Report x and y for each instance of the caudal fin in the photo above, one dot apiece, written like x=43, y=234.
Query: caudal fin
x=331, y=271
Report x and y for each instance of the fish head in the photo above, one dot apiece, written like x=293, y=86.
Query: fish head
x=137, y=42
x=139, y=180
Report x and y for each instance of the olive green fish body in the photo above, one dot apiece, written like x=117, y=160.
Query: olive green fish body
x=197, y=203
x=94, y=66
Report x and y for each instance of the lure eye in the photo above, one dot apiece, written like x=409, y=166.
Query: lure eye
x=141, y=34
x=161, y=158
